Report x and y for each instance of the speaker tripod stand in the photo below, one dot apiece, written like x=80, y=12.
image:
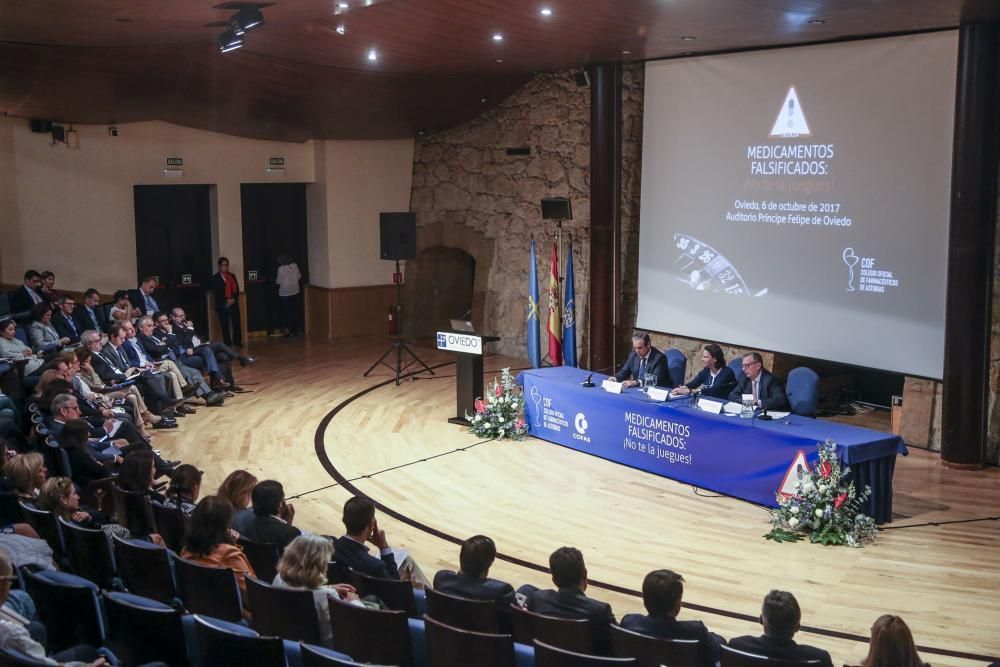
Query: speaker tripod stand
x=399, y=350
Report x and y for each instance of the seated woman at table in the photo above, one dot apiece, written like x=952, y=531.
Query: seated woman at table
x=13, y=348
x=715, y=378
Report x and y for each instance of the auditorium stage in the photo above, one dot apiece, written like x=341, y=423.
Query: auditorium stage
x=312, y=416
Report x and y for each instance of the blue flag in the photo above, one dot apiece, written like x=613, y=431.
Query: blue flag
x=534, y=346
x=569, y=314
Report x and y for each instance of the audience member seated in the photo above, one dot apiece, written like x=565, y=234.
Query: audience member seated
x=767, y=390
x=472, y=579
x=59, y=496
x=89, y=387
x=122, y=308
x=147, y=347
x=12, y=348
x=303, y=566
x=662, y=591
x=569, y=599
x=272, y=521
x=63, y=321
x=135, y=357
x=892, y=645
x=142, y=299
x=27, y=473
x=361, y=525
x=47, y=290
x=85, y=468
x=15, y=636
x=237, y=488
x=113, y=368
x=185, y=331
x=209, y=541
x=90, y=314
x=184, y=489
x=715, y=379
x=181, y=344
x=781, y=618
x=105, y=421
x=138, y=474
x=11, y=517
x=27, y=295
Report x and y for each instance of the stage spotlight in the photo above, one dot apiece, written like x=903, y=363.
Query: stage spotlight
x=229, y=41
x=249, y=18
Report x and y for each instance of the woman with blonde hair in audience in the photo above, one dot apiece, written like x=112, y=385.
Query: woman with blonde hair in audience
x=59, y=496
x=892, y=645
x=303, y=566
x=27, y=472
x=236, y=488
x=88, y=384
x=209, y=541
x=44, y=380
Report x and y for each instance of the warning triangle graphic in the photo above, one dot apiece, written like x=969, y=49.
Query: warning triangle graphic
x=791, y=121
x=797, y=471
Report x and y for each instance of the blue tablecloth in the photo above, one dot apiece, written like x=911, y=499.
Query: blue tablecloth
x=737, y=457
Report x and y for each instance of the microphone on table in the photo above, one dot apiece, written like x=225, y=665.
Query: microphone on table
x=588, y=383
x=763, y=416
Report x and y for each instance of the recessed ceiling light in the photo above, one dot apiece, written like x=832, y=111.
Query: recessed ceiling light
x=499, y=60
x=484, y=100
x=545, y=11
x=688, y=38
x=372, y=55
x=497, y=37
x=341, y=29
x=817, y=21
x=626, y=53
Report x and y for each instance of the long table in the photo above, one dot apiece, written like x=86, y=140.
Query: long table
x=743, y=458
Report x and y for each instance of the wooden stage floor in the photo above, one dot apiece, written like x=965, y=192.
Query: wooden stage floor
x=938, y=565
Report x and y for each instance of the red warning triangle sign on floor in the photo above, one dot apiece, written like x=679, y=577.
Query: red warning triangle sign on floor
x=796, y=471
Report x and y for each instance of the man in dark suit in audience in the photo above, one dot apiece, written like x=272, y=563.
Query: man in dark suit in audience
x=768, y=392
x=350, y=549
x=643, y=360
x=780, y=617
x=569, y=574
x=472, y=581
x=90, y=314
x=23, y=299
x=63, y=321
x=662, y=591
x=272, y=520
x=142, y=297
x=112, y=366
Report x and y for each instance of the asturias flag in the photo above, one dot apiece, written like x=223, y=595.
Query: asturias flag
x=569, y=314
x=555, y=310
x=534, y=346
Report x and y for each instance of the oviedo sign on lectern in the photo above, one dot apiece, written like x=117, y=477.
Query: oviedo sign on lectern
x=468, y=350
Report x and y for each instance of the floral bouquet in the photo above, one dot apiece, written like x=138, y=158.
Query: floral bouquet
x=501, y=414
x=824, y=506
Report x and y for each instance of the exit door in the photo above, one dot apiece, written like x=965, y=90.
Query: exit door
x=274, y=224
x=173, y=241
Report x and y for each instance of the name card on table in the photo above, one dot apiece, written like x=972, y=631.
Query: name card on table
x=611, y=386
x=658, y=393
x=715, y=407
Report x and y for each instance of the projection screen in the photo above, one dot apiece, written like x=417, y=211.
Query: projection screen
x=797, y=200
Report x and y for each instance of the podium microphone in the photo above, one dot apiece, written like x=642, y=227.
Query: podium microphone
x=587, y=383
x=763, y=416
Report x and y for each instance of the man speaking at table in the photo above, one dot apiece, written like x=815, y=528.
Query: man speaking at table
x=768, y=392
x=643, y=360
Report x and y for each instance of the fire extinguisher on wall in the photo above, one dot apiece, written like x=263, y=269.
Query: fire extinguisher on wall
x=393, y=321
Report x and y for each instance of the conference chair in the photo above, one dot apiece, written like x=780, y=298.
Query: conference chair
x=397, y=595
x=211, y=591
x=572, y=634
x=171, y=524
x=464, y=613
x=354, y=627
x=676, y=366
x=282, y=612
x=141, y=630
x=134, y=511
x=317, y=656
x=730, y=657
x=89, y=553
x=98, y=494
x=550, y=656
x=263, y=556
x=654, y=651
x=145, y=569
x=803, y=391
x=47, y=527
x=337, y=573
x=222, y=644
x=68, y=606
x=736, y=366
x=448, y=646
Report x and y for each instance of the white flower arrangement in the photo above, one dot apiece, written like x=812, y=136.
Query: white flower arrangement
x=501, y=413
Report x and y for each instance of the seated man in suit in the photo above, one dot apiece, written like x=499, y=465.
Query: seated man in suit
x=272, y=516
x=768, y=392
x=643, y=360
x=662, y=591
x=158, y=351
x=90, y=314
x=569, y=574
x=780, y=617
x=24, y=297
x=183, y=328
x=111, y=364
x=63, y=321
x=350, y=550
x=471, y=581
x=199, y=358
x=142, y=297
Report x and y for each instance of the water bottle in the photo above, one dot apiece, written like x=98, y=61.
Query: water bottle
x=747, y=411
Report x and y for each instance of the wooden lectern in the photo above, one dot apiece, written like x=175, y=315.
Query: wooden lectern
x=468, y=350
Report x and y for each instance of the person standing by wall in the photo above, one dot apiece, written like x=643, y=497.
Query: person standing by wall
x=288, y=279
x=227, y=303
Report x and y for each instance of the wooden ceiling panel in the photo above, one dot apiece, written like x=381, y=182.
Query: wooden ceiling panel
x=100, y=61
